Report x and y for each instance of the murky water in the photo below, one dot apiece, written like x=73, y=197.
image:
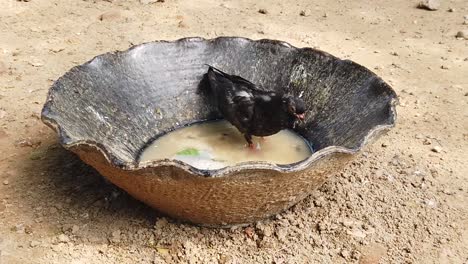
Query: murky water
x=214, y=145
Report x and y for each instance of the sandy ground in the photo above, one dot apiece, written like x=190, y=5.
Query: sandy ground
x=403, y=200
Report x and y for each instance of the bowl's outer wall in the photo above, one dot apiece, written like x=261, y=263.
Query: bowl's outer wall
x=107, y=109
x=123, y=100
x=243, y=197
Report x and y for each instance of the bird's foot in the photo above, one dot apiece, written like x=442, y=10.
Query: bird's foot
x=254, y=147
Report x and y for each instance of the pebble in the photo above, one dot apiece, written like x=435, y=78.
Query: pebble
x=28, y=230
x=57, y=49
x=448, y=192
x=223, y=259
x=35, y=155
x=146, y=2
x=356, y=233
x=19, y=228
x=451, y=10
x=345, y=253
x=2, y=112
x=3, y=68
x=115, y=236
x=36, y=63
x=429, y=5
x=356, y=255
x=444, y=67
x=6, y=182
x=249, y=231
x=28, y=142
x=110, y=15
x=62, y=238
x=436, y=149
x=427, y=141
x=302, y=13
x=462, y=34
x=430, y=203
x=281, y=233
x=263, y=11
x=182, y=24
x=394, y=53
x=266, y=230
x=161, y=223
x=75, y=229
x=34, y=243
x=322, y=226
x=319, y=202
x=348, y=223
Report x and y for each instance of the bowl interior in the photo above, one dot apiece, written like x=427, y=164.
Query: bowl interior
x=122, y=100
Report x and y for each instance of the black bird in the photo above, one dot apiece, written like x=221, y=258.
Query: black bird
x=253, y=111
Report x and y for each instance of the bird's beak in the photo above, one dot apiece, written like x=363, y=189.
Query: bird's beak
x=300, y=117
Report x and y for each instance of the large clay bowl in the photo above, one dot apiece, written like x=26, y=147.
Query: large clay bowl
x=108, y=109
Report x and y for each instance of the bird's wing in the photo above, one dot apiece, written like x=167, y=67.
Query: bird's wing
x=266, y=97
x=243, y=102
x=236, y=100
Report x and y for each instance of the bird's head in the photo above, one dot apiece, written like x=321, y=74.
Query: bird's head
x=295, y=106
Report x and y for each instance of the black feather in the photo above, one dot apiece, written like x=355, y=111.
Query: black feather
x=251, y=110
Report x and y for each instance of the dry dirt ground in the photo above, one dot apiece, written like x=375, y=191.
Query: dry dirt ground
x=403, y=200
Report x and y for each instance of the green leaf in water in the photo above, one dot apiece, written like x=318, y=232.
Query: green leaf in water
x=189, y=152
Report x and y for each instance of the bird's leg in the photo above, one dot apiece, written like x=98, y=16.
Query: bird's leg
x=249, y=141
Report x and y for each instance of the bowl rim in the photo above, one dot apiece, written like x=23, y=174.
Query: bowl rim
x=70, y=144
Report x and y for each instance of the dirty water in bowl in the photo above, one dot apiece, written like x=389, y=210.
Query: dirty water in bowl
x=218, y=144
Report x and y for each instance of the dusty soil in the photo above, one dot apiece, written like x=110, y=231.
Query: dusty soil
x=403, y=199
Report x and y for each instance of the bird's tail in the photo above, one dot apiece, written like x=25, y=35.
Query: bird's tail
x=205, y=85
x=210, y=68
x=213, y=69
